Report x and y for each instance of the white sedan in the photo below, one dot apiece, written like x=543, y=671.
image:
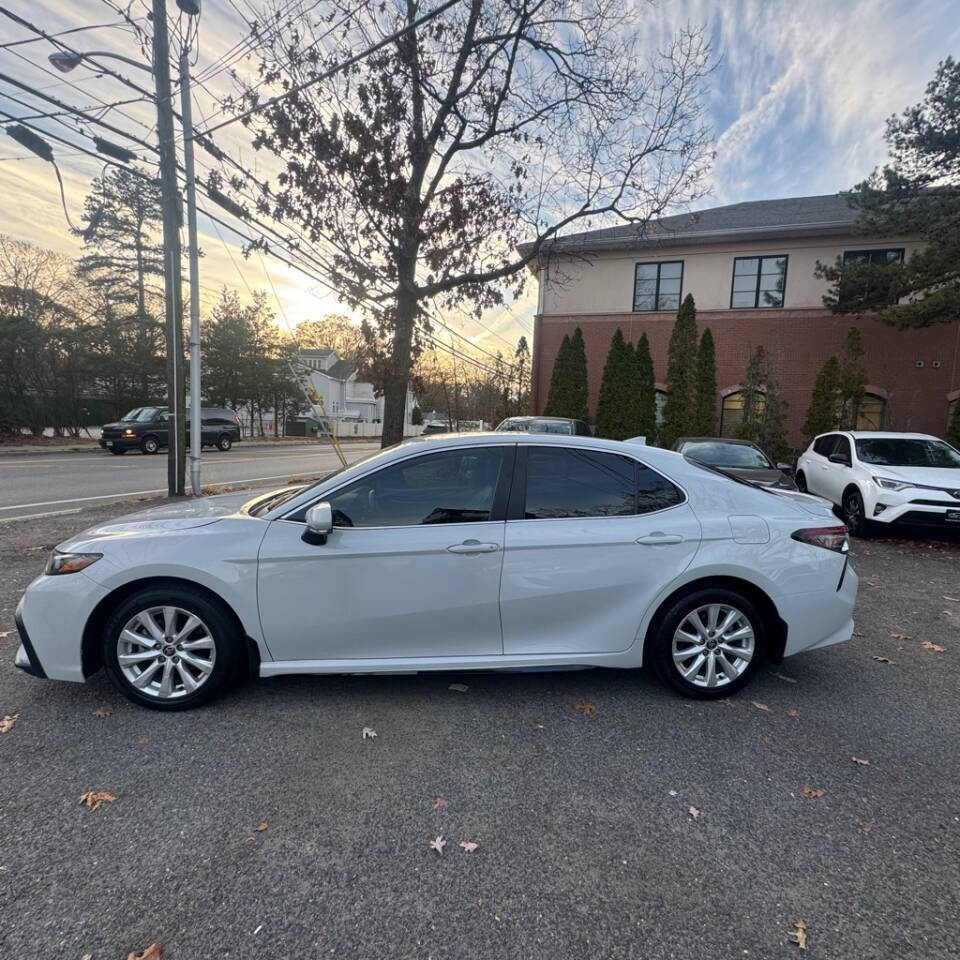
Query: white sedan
x=459, y=552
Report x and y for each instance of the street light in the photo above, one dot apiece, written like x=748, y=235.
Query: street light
x=66, y=60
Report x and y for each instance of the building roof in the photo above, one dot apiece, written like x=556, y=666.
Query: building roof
x=341, y=370
x=320, y=354
x=758, y=219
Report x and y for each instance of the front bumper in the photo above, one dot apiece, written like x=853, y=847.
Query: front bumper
x=915, y=509
x=26, y=658
x=120, y=443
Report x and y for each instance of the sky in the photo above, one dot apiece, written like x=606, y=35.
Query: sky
x=797, y=104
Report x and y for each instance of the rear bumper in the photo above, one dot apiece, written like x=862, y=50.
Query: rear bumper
x=822, y=618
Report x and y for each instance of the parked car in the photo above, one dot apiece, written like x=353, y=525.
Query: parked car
x=562, y=426
x=431, y=428
x=740, y=458
x=880, y=479
x=483, y=551
x=148, y=428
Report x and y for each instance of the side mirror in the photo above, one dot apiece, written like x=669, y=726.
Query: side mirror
x=319, y=524
x=840, y=458
x=785, y=468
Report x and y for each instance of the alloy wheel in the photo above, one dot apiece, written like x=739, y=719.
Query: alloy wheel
x=166, y=652
x=713, y=645
x=853, y=512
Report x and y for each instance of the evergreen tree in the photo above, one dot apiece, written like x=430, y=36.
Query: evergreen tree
x=822, y=413
x=521, y=359
x=851, y=379
x=559, y=378
x=752, y=392
x=772, y=434
x=645, y=389
x=416, y=416
x=953, y=427
x=578, y=378
x=706, y=386
x=679, y=416
x=617, y=406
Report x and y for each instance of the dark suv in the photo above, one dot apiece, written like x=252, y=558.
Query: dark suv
x=147, y=429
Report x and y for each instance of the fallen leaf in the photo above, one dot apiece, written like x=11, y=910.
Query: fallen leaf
x=94, y=799
x=368, y=733
x=760, y=706
x=142, y=741
x=103, y=712
x=811, y=792
x=153, y=952
x=440, y=802
x=781, y=676
x=864, y=828
x=537, y=725
x=6, y=724
x=927, y=645
x=793, y=713
x=438, y=845
x=459, y=687
x=586, y=708
x=672, y=793
x=900, y=636
x=469, y=845
x=694, y=812
x=799, y=935
x=261, y=826
x=4, y=633
x=885, y=660
x=953, y=599
x=863, y=763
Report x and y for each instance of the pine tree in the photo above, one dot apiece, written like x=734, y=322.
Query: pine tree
x=851, y=379
x=617, y=406
x=953, y=428
x=578, y=378
x=752, y=392
x=772, y=434
x=558, y=379
x=706, y=386
x=679, y=416
x=645, y=389
x=416, y=416
x=823, y=410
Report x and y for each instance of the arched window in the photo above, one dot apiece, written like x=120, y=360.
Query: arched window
x=659, y=402
x=870, y=414
x=731, y=412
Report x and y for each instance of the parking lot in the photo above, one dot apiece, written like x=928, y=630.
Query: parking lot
x=613, y=819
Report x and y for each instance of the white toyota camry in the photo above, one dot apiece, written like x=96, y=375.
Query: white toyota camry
x=477, y=551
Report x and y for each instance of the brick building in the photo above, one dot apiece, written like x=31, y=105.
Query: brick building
x=750, y=267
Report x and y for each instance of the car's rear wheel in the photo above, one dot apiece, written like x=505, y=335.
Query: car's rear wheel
x=150, y=445
x=709, y=643
x=224, y=442
x=171, y=648
x=801, y=483
x=854, y=514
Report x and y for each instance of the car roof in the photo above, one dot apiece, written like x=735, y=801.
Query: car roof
x=526, y=419
x=733, y=440
x=879, y=435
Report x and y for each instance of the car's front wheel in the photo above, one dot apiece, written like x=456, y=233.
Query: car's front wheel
x=171, y=648
x=854, y=514
x=801, y=482
x=709, y=643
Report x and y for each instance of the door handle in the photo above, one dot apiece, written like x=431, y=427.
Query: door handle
x=473, y=546
x=657, y=537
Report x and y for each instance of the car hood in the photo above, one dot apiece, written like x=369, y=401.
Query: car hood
x=190, y=513
x=944, y=477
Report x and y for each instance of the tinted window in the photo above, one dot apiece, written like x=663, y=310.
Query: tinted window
x=842, y=446
x=896, y=452
x=579, y=483
x=825, y=445
x=654, y=491
x=456, y=486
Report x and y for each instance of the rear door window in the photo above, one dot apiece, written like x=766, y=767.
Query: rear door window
x=826, y=445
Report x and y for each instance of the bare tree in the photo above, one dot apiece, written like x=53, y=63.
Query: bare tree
x=414, y=174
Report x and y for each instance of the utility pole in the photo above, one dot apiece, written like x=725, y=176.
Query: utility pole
x=195, y=412
x=171, y=247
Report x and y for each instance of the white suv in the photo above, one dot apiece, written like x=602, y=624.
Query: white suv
x=882, y=478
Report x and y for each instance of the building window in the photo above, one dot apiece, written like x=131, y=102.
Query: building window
x=869, y=284
x=870, y=413
x=660, y=405
x=657, y=286
x=731, y=413
x=758, y=282
x=876, y=258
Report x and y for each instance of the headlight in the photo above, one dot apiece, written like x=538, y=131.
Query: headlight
x=885, y=483
x=69, y=562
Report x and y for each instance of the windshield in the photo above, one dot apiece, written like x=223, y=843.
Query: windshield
x=141, y=414
x=719, y=454
x=719, y=472
x=899, y=452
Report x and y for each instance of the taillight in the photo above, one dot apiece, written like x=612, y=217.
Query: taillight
x=830, y=538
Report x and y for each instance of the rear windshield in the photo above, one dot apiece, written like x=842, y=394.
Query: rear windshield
x=899, y=452
x=564, y=427
x=728, y=455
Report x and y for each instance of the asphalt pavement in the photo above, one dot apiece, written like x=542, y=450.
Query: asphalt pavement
x=646, y=827
x=42, y=484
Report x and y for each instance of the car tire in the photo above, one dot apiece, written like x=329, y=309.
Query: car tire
x=673, y=655
x=117, y=453
x=853, y=514
x=224, y=442
x=150, y=445
x=801, y=482
x=214, y=647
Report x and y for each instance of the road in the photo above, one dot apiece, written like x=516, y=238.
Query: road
x=35, y=485
x=587, y=844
